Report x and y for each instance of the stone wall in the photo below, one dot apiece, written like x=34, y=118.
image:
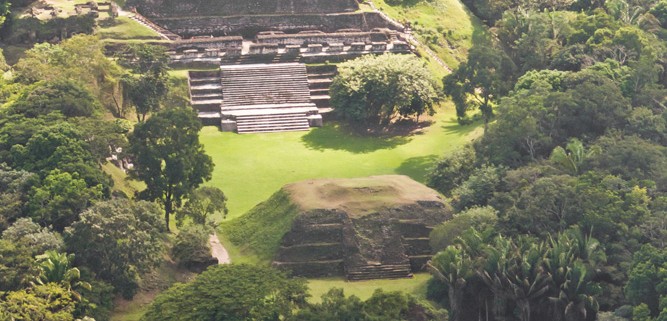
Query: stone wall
x=346, y=38
x=251, y=25
x=180, y=8
x=224, y=43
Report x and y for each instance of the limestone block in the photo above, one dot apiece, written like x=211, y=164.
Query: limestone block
x=315, y=48
x=315, y=120
x=292, y=49
x=379, y=46
x=335, y=47
x=228, y=125
x=211, y=52
x=358, y=46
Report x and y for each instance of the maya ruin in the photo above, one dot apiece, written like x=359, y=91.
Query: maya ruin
x=262, y=47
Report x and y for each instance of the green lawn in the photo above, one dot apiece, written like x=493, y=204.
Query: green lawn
x=250, y=168
x=364, y=289
x=446, y=26
x=124, y=28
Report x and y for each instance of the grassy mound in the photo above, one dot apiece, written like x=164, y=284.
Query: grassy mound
x=259, y=231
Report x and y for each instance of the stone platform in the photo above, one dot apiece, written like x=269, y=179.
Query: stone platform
x=255, y=98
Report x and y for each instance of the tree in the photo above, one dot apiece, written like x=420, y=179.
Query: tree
x=56, y=267
x=371, y=90
x=117, y=240
x=478, y=189
x=233, y=292
x=479, y=82
x=571, y=157
x=43, y=302
x=80, y=59
x=515, y=272
x=192, y=246
x=60, y=199
x=28, y=233
x=150, y=83
x=14, y=193
x=17, y=266
x=480, y=218
x=168, y=157
x=65, y=96
x=453, y=266
x=202, y=203
x=452, y=170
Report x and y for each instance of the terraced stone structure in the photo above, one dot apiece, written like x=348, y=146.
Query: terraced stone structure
x=363, y=228
x=246, y=37
x=248, y=17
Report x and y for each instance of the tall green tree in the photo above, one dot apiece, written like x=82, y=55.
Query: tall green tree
x=148, y=84
x=118, y=240
x=168, y=157
x=480, y=82
x=372, y=90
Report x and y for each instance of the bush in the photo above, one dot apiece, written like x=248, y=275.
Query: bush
x=192, y=246
x=372, y=90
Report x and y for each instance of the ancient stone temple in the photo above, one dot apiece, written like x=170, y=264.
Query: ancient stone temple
x=273, y=59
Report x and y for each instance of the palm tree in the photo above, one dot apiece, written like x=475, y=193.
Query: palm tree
x=516, y=273
x=452, y=266
x=56, y=268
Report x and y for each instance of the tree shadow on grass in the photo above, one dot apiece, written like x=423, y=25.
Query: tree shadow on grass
x=417, y=167
x=460, y=130
x=336, y=137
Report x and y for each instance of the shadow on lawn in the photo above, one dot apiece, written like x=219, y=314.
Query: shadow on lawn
x=334, y=136
x=417, y=167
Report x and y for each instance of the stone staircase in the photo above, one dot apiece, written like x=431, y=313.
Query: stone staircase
x=319, y=81
x=264, y=84
x=206, y=95
x=280, y=121
x=380, y=271
x=263, y=98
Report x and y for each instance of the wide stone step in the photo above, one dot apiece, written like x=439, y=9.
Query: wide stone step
x=213, y=79
x=206, y=101
x=275, y=130
x=366, y=277
x=319, y=91
x=208, y=95
x=248, y=124
x=328, y=75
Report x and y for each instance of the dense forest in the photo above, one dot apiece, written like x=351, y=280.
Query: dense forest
x=562, y=201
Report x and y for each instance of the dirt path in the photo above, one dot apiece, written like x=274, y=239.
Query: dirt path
x=218, y=251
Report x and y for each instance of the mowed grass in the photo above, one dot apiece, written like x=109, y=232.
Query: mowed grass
x=364, y=289
x=446, y=26
x=250, y=168
x=124, y=28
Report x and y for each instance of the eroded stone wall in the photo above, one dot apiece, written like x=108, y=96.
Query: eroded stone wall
x=251, y=25
x=181, y=8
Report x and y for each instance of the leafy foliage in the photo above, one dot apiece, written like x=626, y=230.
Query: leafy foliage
x=372, y=90
x=117, y=240
x=234, y=292
x=169, y=158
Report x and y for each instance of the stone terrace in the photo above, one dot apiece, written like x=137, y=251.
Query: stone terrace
x=267, y=98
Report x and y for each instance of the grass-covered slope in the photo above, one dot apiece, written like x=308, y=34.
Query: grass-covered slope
x=259, y=231
x=446, y=26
